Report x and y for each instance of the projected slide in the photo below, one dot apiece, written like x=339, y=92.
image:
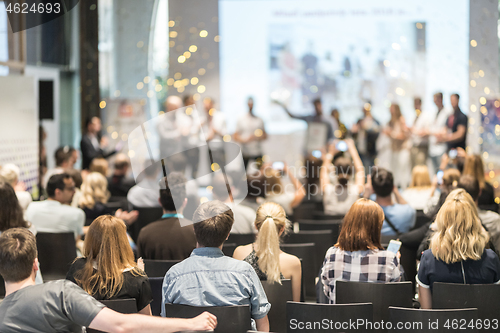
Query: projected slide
x=346, y=53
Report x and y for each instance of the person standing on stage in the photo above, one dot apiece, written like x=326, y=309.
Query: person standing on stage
x=456, y=124
x=250, y=133
x=438, y=123
x=420, y=135
x=366, y=132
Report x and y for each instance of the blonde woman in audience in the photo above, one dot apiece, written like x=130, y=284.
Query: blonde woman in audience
x=276, y=192
x=270, y=263
x=474, y=166
x=343, y=190
x=11, y=174
x=99, y=165
x=358, y=254
x=107, y=269
x=420, y=188
x=457, y=252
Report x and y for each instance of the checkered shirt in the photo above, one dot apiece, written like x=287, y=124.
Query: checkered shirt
x=363, y=266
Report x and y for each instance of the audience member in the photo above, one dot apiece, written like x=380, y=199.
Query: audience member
x=311, y=181
x=11, y=214
x=172, y=237
x=250, y=132
x=474, y=166
x=11, y=173
x=466, y=261
x=265, y=256
x=107, y=269
x=399, y=215
x=54, y=214
x=490, y=220
x=61, y=305
x=340, y=193
x=208, y=278
x=119, y=183
x=276, y=191
x=358, y=254
x=76, y=175
x=62, y=158
x=255, y=186
x=99, y=165
x=143, y=194
x=94, y=145
x=440, y=191
x=74, y=156
x=420, y=188
x=244, y=216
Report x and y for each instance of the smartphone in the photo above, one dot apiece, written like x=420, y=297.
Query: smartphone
x=341, y=146
x=394, y=246
x=453, y=153
x=278, y=166
x=316, y=153
x=439, y=176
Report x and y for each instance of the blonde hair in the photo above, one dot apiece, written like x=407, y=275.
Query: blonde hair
x=99, y=165
x=106, y=245
x=270, y=220
x=94, y=189
x=460, y=234
x=420, y=176
x=10, y=173
x=273, y=181
x=473, y=166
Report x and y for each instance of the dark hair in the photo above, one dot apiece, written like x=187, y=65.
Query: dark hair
x=175, y=192
x=76, y=176
x=56, y=182
x=255, y=185
x=344, y=170
x=317, y=100
x=439, y=94
x=62, y=154
x=178, y=162
x=418, y=99
x=17, y=254
x=89, y=120
x=470, y=185
x=221, y=189
x=11, y=214
x=456, y=95
x=186, y=98
x=382, y=182
x=216, y=220
x=361, y=227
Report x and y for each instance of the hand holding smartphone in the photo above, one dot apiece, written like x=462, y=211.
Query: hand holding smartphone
x=394, y=246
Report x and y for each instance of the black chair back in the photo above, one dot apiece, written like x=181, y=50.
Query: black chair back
x=304, y=211
x=278, y=295
x=333, y=225
x=381, y=295
x=323, y=216
x=321, y=239
x=417, y=320
x=230, y=319
x=484, y=297
x=156, y=289
x=146, y=216
x=241, y=239
x=228, y=249
x=305, y=252
x=158, y=268
x=126, y=306
x=335, y=313
x=56, y=252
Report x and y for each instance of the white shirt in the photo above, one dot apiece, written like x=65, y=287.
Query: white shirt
x=246, y=127
x=338, y=202
x=24, y=199
x=219, y=124
x=417, y=198
x=244, y=219
x=52, y=216
x=437, y=125
x=424, y=121
x=284, y=200
x=144, y=195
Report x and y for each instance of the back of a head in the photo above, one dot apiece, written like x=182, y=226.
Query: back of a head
x=62, y=155
x=382, y=182
x=420, y=176
x=361, y=227
x=10, y=172
x=216, y=220
x=178, y=162
x=220, y=188
x=473, y=166
x=270, y=221
x=11, y=214
x=272, y=181
x=172, y=197
x=255, y=185
x=460, y=234
x=451, y=177
x=99, y=165
x=56, y=182
x=17, y=254
x=107, y=245
x=121, y=162
x=94, y=189
x=76, y=175
x=470, y=185
x=344, y=170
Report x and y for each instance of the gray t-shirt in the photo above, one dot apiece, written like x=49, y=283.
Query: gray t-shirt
x=57, y=306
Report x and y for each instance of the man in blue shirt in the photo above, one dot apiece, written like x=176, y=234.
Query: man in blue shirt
x=208, y=278
x=401, y=215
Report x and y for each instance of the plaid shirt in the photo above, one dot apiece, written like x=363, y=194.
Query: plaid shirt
x=363, y=266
